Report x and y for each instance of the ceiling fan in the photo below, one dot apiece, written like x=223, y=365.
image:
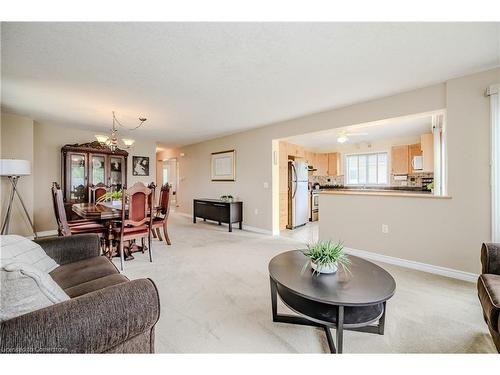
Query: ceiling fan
x=343, y=136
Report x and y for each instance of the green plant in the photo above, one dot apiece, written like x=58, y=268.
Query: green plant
x=430, y=186
x=111, y=195
x=224, y=197
x=326, y=253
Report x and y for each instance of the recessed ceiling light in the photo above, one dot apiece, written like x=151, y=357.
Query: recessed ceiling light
x=342, y=139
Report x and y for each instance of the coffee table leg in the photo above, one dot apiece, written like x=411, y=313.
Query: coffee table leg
x=340, y=329
x=329, y=338
x=381, y=322
x=274, y=299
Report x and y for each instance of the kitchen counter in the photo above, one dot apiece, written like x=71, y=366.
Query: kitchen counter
x=384, y=192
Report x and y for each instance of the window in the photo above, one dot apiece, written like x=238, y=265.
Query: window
x=367, y=169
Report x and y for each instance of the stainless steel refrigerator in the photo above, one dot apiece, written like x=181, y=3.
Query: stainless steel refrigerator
x=298, y=195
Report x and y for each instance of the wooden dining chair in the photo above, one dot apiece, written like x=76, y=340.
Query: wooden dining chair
x=160, y=219
x=68, y=228
x=97, y=191
x=136, y=221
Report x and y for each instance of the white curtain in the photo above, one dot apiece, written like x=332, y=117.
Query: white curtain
x=495, y=162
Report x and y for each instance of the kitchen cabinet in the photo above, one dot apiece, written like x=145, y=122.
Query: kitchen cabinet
x=399, y=159
x=295, y=151
x=413, y=150
x=427, y=147
x=333, y=164
x=322, y=167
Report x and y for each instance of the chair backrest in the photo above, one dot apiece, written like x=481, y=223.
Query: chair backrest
x=138, y=199
x=164, y=201
x=59, y=211
x=97, y=191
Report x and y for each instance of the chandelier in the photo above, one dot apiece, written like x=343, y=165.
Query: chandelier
x=112, y=140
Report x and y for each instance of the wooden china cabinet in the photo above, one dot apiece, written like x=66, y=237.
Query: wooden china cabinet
x=88, y=164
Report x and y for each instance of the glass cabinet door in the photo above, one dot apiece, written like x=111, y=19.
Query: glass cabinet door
x=97, y=169
x=77, y=177
x=116, y=172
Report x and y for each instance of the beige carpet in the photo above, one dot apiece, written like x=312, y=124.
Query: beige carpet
x=214, y=293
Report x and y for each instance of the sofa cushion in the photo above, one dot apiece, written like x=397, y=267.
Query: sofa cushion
x=96, y=284
x=488, y=287
x=76, y=273
x=17, y=249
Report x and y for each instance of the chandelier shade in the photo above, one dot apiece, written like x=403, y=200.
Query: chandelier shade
x=112, y=140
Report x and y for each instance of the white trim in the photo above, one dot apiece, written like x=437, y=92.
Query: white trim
x=45, y=233
x=443, y=271
x=245, y=227
x=495, y=165
x=257, y=230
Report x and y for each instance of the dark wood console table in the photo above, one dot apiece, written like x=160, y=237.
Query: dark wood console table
x=219, y=211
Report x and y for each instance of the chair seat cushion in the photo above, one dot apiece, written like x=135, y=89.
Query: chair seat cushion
x=87, y=228
x=96, y=284
x=158, y=221
x=129, y=231
x=76, y=273
x=488, y=287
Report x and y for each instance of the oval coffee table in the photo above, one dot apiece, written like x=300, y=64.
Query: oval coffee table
x=354, y=300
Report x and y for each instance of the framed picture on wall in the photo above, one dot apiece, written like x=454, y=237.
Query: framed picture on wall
x=140, y=166
x=223, y=166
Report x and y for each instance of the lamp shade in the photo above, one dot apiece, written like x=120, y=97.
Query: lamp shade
x=15, y=167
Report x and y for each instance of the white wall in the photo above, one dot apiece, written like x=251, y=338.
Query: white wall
x=254, y=151
x=442, y=232
x=16, y=135
x=49, y=139
x=452, y=237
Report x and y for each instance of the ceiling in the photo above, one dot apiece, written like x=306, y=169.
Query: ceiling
x=378, y=131
x=196, y=81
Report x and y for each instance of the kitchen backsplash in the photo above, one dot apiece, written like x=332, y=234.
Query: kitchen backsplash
x=327, y=180
x=412, y=180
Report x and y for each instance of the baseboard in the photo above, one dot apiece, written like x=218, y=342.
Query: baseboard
x=245, y=227
x=46, y=233
x=443, y=271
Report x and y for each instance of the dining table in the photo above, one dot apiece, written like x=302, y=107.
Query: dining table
x=108, y=213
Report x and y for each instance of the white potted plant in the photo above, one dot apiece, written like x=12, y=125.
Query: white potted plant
x=326, y=257
x=115, y=197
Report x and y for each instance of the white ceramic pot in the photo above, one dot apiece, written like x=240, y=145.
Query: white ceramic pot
x=330, y=268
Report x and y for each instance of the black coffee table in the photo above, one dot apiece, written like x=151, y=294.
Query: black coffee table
x=354, y=300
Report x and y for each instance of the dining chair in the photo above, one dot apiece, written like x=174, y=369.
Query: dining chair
x=160, y=219
x=97, y=191
x=137, y=206
x=68, y=228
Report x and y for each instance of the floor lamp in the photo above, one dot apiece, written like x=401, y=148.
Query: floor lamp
x=13, y=169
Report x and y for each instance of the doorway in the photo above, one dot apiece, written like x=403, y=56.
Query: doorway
x=170, y=175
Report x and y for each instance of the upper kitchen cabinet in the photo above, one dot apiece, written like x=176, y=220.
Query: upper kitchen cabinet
x=322, y=167
x=333, y=164
x=427, y=147
x=413, y=150
x=399, y=159
x=296, y=151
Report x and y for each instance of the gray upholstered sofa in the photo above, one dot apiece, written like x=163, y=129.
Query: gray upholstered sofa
x=488, y=286
x=107, y=313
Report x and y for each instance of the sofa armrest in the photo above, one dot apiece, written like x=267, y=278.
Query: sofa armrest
x=490, y=258
x=93, y=323
x=71, y=248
